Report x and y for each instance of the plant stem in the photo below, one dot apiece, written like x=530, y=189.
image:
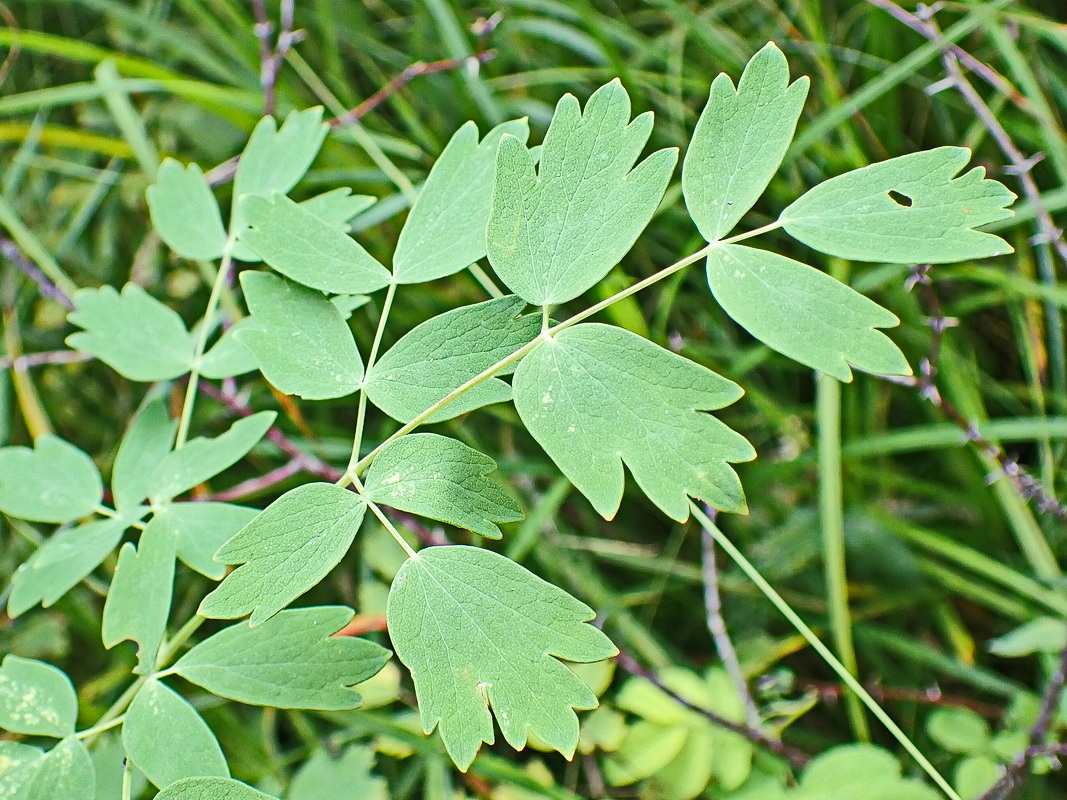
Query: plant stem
x=389, y=526
x=361, y=414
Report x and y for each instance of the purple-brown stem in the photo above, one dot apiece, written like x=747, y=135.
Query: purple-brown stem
x=13, y=253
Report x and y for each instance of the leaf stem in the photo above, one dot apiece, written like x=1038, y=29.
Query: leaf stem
x=100, y=727
x=846, y=677
x=361, y=414
x=167, y=651
x=386, y=522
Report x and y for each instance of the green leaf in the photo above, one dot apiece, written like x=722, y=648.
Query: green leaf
x=1040, y=635
x=274, y=160
x=907, y=210
x=184, y=212
x=228, y=357
x=804, y=313
x=440, y=478
x=445, y=352
x=66, y=771
x=301, y=246
x=202, y=528
x=646, y=748
x=740, y=140
x=211, y=789
x=959, y=730
x=847, y=772
x=36, y=699
x=596, y=396
x=284, y=551
x=167, y=739
x=975, y=775
x=62, y=562
x=299, y=339
x=345, y=778
x=290, y=661
x=201, y=459
x=337, y=206
x=54, y=482
x=133, y=333
x=147, y=441
x=445, y=231
x=478, y=630
x=555, y=232
x=18, y=766
x=138, y=601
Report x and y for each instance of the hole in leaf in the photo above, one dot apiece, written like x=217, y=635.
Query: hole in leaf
x=900, y=199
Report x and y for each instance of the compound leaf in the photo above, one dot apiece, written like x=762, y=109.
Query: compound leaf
x=290, y=661
x=53, y=482
x=556, y=231
x=740, y=140
x=65, y=771
x=347, y=777
x=337, y=206
x=804, y=313
x=445, y=352
x=437, y=477
x=445, y=230
x=288, y=548
x=907, y=210
x=303, y=247
x=62, y=562
x=477, y=631
x=211, y=789
x=202, y=528
x=184, y=212
x=133, y=333
x=36, y=699
x=299, y=339
x=138, y=601
x=202, y=458
x=18, y=766
x=167, y=739
x=595, y=396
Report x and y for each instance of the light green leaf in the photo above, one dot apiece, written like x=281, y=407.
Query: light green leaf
x=477, y=631
x=274, y=160
x=907, y=210
x=167, y=739
x=299, y=339
x=202, y=458
x=959, y=730
x=36, y=699
x=804, y=313
x=18, y=765
x=740, y=140
x=975, y=775
x=62, y=562
x=228, y=357
x=202, y=528
x=290, y=661
x=646, y=748
x=1040, y=635
x=108, y=755
x=555, y=232
x=445, y=352
x=133, y=333
x=445, y=230
x=211, y=789
x=66, y=771
x=147, y=441
x=440, y=478
x=53, y=482
x=596, y=396
x=345, y=778
x=138, y=601
x=337, y=206
x=184, y=212
x=301, y=246
x=858, y=770
x=284, y=551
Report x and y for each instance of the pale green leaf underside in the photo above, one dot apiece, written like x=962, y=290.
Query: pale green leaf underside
x=133, y=333
x=445, y=230
x=445, y=352
x=201, y=458
x=138, y=601
x=20, y=763
x=36, y=699
x=62, y=562
x=65, y=771
x=184, y=212
x=147, y=440
x=443, y=479
x=477, y=631
x=850, y=771
x=337, y=206
x=202, y=528
x=556, y=231
x=347, y=777
x=284, y=551
x=167, y=739
x=308, y=250
x=228, y=357
x=211, y=789
x=53, y=482
x=299, y=339
x=290, y=661
x=739, y=141
x=932, y=219
x=596, y=396
x=804, y=313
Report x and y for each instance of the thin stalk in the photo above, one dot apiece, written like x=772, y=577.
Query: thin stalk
x=170, y=648
x=361, y=414
x=801, y=627
x=100, y=727
x=485, y=281
x=388, y=524
x=127, y=779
